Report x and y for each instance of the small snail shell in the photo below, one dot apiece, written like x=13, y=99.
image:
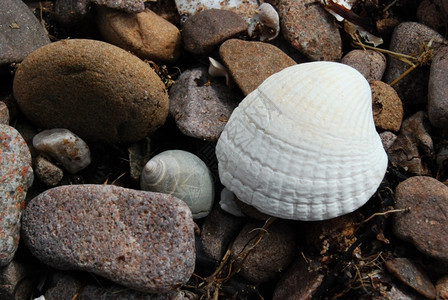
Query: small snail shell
x=183, y=175
x=303, y=145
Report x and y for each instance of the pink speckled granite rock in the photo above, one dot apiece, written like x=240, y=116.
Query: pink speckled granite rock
x=16, y=175
x=139, y=239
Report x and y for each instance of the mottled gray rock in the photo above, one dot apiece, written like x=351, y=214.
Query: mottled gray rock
x=386, y=105
x=206, y=30
x=201, y=105
x=145, y=34
x=4, y=113
x=409, y=38
x=129, y=6
x=250, y=63
x=299, y=281
x=371, y=64
x=438, y=89
x=96, y=90
x=272, y=254
x=411, y=275
x=310, y=29
x=425, y=223
x=138, y=239
x=16, y=176
x=20, y=32
x=387, y=138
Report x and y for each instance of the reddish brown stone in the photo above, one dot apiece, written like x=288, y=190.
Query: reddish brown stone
x=410, y=274
x=138, y=239
x=250, y=63
x=387, y=107
x=371, y=64
x=425, y=223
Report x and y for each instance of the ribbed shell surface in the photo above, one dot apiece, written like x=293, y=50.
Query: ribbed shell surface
x=303, y=145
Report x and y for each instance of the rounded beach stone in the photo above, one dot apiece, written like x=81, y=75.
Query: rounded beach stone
x=207, y=29
x=371, y=64
x=142, y=240
x=425, y=224
x=96, y=90
x=201, y=105
x=408, y=38
x=310, y=29
x=438, y=89
x=270, y=256
x=16, y=175
x=250, y=63
x=20, y=32
x=387, y=106
x=145, y=34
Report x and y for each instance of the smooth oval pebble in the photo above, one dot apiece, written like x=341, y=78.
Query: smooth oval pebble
x=309, y=28
x=96, y=90
x=20, y=32
x=206, y=30
x=438, y=89
x=250, y=63
x=64, y=146
x=16, y=175
x=145, y=34
x=371, y=64
x=425, y=224
x=142, y=240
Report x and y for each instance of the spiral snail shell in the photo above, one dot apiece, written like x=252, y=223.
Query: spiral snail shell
x=183, y=175
x=303, y=145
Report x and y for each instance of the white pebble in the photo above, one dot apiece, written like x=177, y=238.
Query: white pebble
x=65, y=147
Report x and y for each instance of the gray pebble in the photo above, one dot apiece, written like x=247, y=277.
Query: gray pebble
x=201, y=105
x=408, y=38
x=142, y=240
x=20, y=32
x=371, y=64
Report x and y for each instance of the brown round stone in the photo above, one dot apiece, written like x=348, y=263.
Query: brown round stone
x=96, y=90
x=145, y=34
x=387, y=106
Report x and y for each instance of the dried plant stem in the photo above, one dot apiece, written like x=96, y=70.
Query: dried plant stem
x=384, y=213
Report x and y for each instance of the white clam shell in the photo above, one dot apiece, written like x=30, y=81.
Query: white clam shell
x=303, y=145
x=183, y=175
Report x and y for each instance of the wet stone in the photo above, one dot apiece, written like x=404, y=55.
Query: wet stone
x=142, y=240
x=218, y=231
x=144, y=34
x=425, y=221
x=20, y=33
x=371, y=64
x=410, y=274
x=387, y=107
x=96, y=90
x=201, y=105
x=408, y=38
x=271, y=256
x=250, y=63
x=16, y=176
x=206, y=30
x=438, y=89
x=310, y=29
x=298, y=282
